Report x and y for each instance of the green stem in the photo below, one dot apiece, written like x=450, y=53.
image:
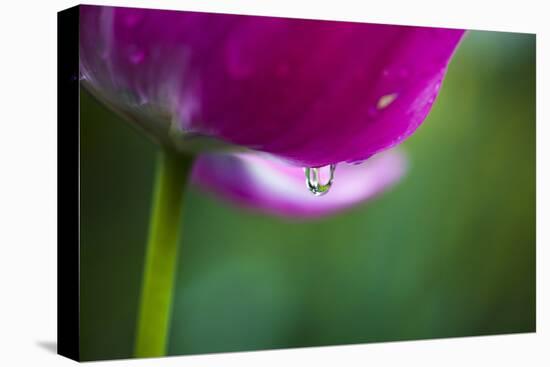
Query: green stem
x=153, y=323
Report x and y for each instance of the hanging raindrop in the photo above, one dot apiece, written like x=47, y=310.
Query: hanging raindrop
x=313, y=180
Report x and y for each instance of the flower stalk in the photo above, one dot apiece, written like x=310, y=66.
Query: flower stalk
x=153, y=323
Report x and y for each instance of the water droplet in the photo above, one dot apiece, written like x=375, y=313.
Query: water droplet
x=136, y=56
x=313, y=179
x=386, y=100
x=131, y=20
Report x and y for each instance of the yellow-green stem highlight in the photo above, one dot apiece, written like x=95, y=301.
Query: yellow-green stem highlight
x=153, y=323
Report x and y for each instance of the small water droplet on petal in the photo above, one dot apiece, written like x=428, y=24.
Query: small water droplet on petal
x=386, y=100
x=137, y=56
x=131, y=20
x=313, y=180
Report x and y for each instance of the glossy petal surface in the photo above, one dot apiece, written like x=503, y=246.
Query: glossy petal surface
x=313, y=92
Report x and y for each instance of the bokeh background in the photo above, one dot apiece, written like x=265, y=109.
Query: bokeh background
x=449, y=252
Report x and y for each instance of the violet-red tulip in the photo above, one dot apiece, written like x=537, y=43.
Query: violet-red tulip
x=309, y=92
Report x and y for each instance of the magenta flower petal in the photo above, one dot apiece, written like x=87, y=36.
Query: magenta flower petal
x=265, y=183
x=312, y=92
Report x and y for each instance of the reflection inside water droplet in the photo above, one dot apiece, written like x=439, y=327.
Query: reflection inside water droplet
x=313, y=178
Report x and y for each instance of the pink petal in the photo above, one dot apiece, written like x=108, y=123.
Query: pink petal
x=313, y=92
x=262, y=182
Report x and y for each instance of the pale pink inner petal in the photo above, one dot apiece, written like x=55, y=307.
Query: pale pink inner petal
x=271, y=185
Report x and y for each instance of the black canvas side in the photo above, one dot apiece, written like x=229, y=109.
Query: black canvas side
x=68, y=130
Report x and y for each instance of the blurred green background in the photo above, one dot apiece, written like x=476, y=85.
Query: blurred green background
x=450, y=251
